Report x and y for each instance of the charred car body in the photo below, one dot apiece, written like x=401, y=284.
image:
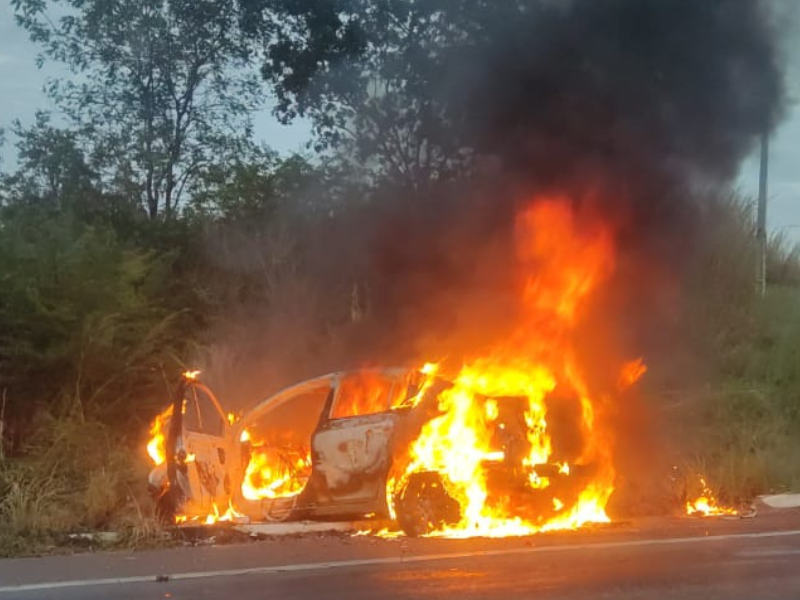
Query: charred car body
x=333, y=447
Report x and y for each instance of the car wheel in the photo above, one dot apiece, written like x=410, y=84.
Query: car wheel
x=423, y=505
x=280, y=510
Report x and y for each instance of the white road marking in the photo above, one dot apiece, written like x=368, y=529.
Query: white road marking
x=768, y=553
x=365, y=562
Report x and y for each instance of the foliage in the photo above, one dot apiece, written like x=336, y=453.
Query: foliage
x=740, y=430
x=249, y=187
x=75, y=475
x=371, y=76
x=89, y=347
x=29, y=507
x=159, y=85
x=82, y=319
x=783, y=260
x=52, y=170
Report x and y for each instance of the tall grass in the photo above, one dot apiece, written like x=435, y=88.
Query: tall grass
x=30, y=508
x=76, y=475
x=741, y=430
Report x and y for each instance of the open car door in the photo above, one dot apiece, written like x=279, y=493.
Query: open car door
x=199, y=467
x=275, y=439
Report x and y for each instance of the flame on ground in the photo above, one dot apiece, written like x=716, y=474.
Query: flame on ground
x=230, y=515
x=706, y=504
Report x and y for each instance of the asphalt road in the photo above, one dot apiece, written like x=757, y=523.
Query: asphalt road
x=759, y=559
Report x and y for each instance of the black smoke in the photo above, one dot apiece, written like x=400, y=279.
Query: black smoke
x=632, y=107
x=681, y=88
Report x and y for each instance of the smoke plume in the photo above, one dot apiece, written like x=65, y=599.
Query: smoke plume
x=630, y=107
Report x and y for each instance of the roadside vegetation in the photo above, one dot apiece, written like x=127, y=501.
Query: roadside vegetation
x=733, y=397
x=144, y=231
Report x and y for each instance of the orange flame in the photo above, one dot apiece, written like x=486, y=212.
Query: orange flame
x=158, y=428
x=563, y=261
x=156, y=445
x=706, y=505
x=514, y=385
x=363, y=393
x=231, y=514
x=630, y=373
x=274, y=472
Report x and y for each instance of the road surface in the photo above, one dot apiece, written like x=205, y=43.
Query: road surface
x=657, y=559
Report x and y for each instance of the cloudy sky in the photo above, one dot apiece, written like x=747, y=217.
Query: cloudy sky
x=21, y=91
x=21, y=95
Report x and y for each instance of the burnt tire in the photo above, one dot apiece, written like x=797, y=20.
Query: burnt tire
x=281, y=510
x=423, y=505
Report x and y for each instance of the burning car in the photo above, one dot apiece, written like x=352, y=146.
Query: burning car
x=516, y=439
x=334, y=447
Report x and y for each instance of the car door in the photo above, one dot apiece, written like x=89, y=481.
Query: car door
x=275, y=441
x=204, y=451
x=352, y=446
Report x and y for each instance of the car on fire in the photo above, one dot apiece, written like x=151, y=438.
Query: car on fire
x=330, y=448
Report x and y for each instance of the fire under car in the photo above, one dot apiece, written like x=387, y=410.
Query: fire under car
x=330, y=448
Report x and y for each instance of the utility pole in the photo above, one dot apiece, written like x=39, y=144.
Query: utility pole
x=761, y=221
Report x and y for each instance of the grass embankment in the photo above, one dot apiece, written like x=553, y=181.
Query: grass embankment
x=79, y=478
x=743, y=432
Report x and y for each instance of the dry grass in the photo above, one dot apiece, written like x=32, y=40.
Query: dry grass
x=75, y=478
x=742, y=430
x=30, y=510
x=743, y=442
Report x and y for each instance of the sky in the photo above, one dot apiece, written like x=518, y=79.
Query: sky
x=21, y=96
x=21, y=92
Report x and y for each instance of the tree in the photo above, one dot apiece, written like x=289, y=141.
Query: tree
x=85, y=316
x=424, y=87
x=158, y=86
x=52, y=167
x=53, y=173
x=369, y=75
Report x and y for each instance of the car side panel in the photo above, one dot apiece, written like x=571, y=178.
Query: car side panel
x=351, y=458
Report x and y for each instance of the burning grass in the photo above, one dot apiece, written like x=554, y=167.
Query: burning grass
x=706, y=505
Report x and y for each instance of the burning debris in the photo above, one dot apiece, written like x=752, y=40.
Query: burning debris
x=705, y=505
